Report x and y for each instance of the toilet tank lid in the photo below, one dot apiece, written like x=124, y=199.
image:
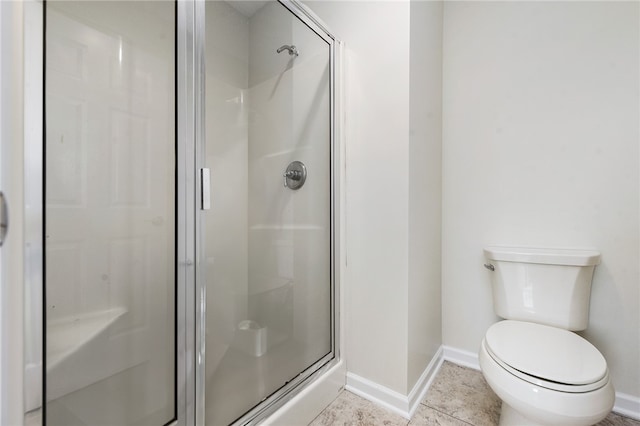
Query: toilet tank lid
x=549, y=256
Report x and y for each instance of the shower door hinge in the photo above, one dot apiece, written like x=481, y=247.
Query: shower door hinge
x=205, y=189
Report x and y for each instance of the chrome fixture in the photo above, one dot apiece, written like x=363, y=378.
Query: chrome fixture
x=4, y=218
x=293, y=51
x=205, y=189
x=489, y=266
x=295, y=175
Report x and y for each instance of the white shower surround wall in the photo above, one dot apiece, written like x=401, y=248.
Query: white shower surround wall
x=289, y=230
x=110, y=278
x=392, y=132
x=226, y=234
x=262, y=238
x=267, y=246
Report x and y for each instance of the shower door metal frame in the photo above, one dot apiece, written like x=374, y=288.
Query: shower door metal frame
x=34, y=23
x=336, y=158
x=191, y=296
x=186, y=82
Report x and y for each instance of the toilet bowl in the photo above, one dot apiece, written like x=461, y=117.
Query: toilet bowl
x=545, y=375
x=543, y=372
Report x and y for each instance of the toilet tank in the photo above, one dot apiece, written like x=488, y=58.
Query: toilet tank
x=545, y=286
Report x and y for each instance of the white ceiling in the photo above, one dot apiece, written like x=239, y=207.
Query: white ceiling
x=247, y=7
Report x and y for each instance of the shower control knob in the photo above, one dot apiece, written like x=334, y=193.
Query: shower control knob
x=295, y=175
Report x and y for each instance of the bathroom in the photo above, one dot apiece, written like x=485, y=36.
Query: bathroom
x=465, y=124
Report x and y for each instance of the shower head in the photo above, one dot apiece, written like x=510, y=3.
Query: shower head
x=293, y=51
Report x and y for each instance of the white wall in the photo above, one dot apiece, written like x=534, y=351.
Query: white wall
x=425, y=184
x=377, y=122
x=392, y=275
x=540, y=148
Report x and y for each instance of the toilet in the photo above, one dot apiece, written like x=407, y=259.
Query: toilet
x=543, y=372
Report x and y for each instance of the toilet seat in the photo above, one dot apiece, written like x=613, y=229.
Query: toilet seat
x=524, y=403
x=546, y=356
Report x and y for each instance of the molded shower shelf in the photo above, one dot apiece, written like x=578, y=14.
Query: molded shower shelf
x=68, y=335
x=287, y=152
x=260, y=227
x=269, y=285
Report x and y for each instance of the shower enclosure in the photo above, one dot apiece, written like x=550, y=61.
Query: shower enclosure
x=266, y=239
x=182, y=211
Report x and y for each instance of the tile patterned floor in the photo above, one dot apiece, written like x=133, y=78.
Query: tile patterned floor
x=458, y=396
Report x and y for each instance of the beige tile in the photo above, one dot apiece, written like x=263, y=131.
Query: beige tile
x=616, y=420
x=464, y=394
x=459, y=396
x=350, y=409
x=426, y=416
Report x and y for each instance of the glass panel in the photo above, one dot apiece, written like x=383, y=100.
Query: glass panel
x=110, y=203
x=267, y=245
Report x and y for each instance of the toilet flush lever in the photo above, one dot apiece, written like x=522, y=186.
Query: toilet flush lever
x=489, y=266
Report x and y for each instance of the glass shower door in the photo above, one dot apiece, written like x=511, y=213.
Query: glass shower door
x=110, y=202
x=266, y=240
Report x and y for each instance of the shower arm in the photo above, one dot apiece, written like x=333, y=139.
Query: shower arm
x=293, y=50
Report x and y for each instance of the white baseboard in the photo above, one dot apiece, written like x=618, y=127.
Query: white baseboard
x=404, y=405
x=419, y=391
x=626, y=405
x=378, y=394
x=461, y=357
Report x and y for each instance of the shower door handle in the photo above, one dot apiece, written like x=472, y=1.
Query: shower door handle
x=4, y=218
x=205, y=189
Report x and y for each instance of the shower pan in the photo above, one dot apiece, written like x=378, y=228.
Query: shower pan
x=183, y=210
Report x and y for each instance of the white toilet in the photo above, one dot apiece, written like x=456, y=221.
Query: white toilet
x=543, y=372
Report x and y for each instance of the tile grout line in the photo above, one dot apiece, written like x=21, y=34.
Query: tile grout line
x=325, y=408
x=446, y=414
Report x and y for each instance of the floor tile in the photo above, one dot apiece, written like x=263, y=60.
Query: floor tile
x=616, y=420
x=464, y=394
x=426, y=416
x=349, y=409
x=459, y=396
